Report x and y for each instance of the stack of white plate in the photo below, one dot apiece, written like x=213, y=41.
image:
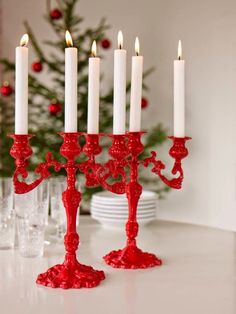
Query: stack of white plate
x=111, y=210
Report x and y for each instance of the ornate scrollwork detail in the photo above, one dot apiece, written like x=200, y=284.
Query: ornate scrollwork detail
x=112, y=169
x=115, y=167
x=22, y=151
x=178, y=151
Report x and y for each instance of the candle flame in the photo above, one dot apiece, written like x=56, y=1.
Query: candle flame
x=120, y=40
x=69, y=40
x=179, y=50
x=24, y=40
x=137, y=46
x=94, y=48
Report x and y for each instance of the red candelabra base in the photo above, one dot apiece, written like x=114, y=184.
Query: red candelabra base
x=71, y=274
x=131, y=257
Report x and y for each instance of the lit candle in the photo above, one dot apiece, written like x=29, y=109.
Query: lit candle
x=93, y=92
x=136, y=90
x=179, y=95
x=70, y=85
x=21, y=87
x=119, y=97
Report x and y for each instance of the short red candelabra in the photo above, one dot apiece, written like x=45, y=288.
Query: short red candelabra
x=131, y=256
x=125, y=152
x=118, y=175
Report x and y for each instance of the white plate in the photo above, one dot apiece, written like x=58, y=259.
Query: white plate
x=117, y=217
x=110, y=202
x=121, y=212
x=122, y=216
x=111, y=223
x=125, y=207
x=121, y=198
x=121, y=202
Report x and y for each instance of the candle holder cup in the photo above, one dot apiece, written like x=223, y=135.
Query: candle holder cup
x=118, y=175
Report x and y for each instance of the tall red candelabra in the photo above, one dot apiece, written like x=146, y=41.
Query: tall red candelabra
x=70, y=274
x=122, y=168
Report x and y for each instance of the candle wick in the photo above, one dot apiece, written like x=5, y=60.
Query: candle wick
x=179, y=58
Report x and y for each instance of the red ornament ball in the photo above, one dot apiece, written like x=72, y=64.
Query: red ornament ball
x=144, y=103
x=55, y=14
x=6, y=89
x=106, y=43
x=54, y=108
x=37, y=66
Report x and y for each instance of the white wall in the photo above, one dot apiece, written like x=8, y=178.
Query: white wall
x=208, y=32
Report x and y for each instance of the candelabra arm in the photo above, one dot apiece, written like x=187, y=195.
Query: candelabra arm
x=178, y=151
x=114, y=169
x=22, y=151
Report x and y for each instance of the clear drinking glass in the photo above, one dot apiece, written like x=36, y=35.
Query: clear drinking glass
x=31, y=229
x=24, y=203
x=41, y=198
x=32, y=217
x=7, y=214
x=58, y=214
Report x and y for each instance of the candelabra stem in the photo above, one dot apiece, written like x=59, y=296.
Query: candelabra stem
x=133, y=193
x=71, y=274
x=71, y=208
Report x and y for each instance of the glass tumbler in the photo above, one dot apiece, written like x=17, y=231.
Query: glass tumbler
x=7, y=214
x=31, y=228
x=58, y=214
x=41, y=198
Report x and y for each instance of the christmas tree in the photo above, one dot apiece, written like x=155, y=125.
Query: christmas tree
x=46, y=104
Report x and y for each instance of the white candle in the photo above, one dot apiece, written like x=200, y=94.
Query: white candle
x=119, y=97
x=21, y=87
x=71, y=64
x=93, y=92
x=179, y=95
x=136, y=90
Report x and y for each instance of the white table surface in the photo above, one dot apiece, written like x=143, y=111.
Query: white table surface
x=198, y=275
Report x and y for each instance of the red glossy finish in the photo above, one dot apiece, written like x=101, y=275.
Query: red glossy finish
x=22, y=151
x=115, y=167
x=124, y=151
x=131, y=257
x=70, y=274
x=91, y=149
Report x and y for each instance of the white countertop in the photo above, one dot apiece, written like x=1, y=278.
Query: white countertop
x=198, y=274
